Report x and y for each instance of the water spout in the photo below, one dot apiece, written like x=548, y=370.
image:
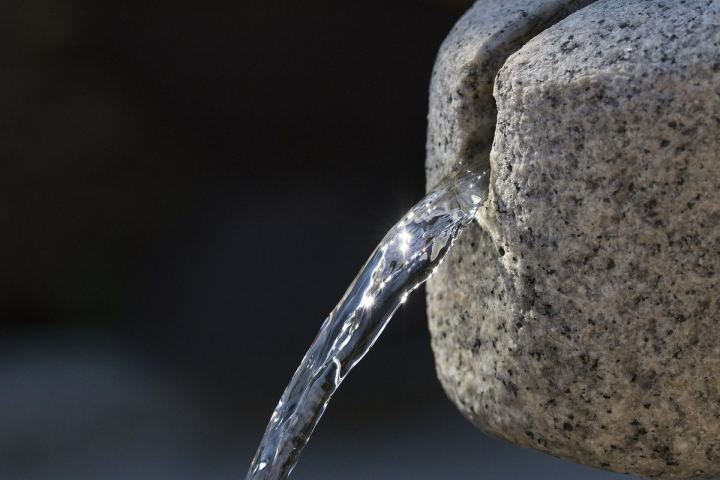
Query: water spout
x=405, y=258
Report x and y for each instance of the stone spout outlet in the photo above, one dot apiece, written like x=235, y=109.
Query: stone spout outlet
x=581, y=315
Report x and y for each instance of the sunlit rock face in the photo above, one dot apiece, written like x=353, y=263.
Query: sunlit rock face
x=582, y=317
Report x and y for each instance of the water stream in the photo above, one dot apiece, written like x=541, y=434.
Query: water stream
x=404, y=260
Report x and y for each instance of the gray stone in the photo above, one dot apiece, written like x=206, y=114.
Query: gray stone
x=461, y=123
x=583, y=319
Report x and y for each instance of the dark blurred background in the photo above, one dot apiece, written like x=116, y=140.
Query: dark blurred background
x=186, y=189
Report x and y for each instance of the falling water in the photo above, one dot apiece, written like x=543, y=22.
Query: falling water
x=403, y=260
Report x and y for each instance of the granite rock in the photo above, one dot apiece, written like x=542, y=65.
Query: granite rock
x=582, y=317
x=461, y=123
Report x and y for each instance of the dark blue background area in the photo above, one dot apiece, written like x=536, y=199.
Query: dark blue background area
x=186, y=189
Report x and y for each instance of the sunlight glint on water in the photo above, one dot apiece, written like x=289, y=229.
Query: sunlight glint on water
x=403, y=261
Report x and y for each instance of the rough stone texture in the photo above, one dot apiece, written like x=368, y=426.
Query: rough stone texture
x=583, y=318
x=461, y=123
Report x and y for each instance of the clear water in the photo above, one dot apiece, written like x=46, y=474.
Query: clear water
x=403, y=260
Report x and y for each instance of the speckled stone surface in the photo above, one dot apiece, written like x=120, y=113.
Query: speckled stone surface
x=583, y=318
x=461, y=123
